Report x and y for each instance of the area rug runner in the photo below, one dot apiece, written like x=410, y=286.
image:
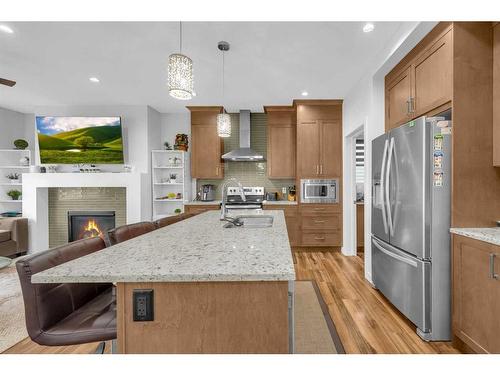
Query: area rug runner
x=12, y=324
x=314, y=330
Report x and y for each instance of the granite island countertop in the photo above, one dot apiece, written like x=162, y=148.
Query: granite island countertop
x=196, y=249
x=490, y=235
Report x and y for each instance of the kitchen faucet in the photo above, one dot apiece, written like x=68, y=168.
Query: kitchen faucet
x=223, y=210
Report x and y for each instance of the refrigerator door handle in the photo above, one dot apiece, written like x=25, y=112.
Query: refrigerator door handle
x=387, y=176
x=394, y=255
x=382, y=184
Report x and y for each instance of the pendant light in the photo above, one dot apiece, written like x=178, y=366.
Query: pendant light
x=180, y=73
x=223, y=119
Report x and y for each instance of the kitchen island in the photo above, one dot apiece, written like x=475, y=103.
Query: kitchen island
x=216, y=289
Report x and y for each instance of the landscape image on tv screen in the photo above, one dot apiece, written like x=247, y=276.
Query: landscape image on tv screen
x=80, y=140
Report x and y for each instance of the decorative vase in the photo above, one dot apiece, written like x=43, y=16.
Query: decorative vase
x=24, y=161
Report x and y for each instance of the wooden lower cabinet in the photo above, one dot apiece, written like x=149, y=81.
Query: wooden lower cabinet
x=320, y=225
x=200, y=208
x=360, y=225
x=476, y=294
x=292, y=221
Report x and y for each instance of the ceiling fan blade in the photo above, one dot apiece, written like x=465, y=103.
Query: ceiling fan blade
x=7, y=82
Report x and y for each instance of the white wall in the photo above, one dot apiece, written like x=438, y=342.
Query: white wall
x=12, y=127
x=141, y=126
x=175, y=123
x=364, y=105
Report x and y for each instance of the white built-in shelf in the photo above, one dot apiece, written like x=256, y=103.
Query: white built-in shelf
x=162, y=167
x=10, y=160
x=11, y=201
x=14, y=167
x=169, y=200
x=10, y=184
x=169, y=167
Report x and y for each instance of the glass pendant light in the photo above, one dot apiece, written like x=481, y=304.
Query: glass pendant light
x=180, y=73
x=223, y=119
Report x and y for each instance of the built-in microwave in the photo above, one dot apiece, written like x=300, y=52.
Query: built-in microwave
x=319, y=191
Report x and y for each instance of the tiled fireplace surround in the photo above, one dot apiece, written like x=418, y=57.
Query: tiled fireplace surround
x=62, y=200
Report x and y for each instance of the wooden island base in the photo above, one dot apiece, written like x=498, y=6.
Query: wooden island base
x=206, y=317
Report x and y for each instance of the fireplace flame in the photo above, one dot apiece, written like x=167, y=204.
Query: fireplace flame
x=91, y=229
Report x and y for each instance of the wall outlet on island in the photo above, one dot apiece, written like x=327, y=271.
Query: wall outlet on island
x=143, y=305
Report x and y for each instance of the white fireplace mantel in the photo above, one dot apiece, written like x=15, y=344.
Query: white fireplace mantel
x=36, y=200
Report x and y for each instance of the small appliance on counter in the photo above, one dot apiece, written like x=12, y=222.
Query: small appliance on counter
x=272, y=196
x=207, y=193
x=292, y=193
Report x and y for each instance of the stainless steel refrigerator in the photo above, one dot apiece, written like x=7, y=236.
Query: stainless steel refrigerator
x=411, y=209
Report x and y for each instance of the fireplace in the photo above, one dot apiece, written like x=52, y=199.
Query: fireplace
x=87, y=224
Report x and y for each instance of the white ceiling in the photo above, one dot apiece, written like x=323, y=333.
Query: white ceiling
x=269, y=63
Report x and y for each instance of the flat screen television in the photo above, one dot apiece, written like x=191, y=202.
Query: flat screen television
x=80, y=140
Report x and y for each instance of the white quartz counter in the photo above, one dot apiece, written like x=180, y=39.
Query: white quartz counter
x=196, y=249
x=280, y=203
x=490, y=235
x=202, y=203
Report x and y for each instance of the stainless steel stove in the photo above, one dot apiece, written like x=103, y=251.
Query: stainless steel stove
x=254, y=196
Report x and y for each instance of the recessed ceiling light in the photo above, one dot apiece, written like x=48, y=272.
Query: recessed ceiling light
x=368, y=27
x=305, y=93
x=6, y=29
x=94, y=79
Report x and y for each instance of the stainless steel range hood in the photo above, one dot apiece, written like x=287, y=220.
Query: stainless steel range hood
x=244, y=152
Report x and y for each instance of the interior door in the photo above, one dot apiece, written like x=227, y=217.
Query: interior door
x=380, y=147
x=406, y=184
x=308, y=150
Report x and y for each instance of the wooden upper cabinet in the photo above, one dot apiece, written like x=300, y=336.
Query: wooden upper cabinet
x=496, y=95
x=206, y=146
x=476, y=294
x=331, y=149
x=423, y=80
x=398, y=96
x=308, y=149
x=433, y=76
x=319, y=139
x=281, y=141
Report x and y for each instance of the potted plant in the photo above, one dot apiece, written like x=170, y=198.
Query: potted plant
x=177, y=211
x=13, y=177
x=14, y=194
x=20, y=144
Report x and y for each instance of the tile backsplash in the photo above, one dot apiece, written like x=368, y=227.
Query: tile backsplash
x=248, y=173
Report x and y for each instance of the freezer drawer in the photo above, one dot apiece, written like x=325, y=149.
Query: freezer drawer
x=404, y=280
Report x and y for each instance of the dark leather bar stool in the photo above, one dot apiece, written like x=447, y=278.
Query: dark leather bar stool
x=66, y=314
x=126, y=232
x=163, y=222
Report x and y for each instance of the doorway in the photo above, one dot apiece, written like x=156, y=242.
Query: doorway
x=355, y=191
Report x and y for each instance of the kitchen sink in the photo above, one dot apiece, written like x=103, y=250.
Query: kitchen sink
x=251, y=221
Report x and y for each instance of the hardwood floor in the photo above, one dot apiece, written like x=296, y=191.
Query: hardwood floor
x=366, y=322
x=30, y=347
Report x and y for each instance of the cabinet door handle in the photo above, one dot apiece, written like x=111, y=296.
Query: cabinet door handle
x=319, y=208
x=408, y=108
x=317, y=168
x=319, y=238
x=493, y=275
x=319, y=221
x=217, y=170
x=321, y=169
